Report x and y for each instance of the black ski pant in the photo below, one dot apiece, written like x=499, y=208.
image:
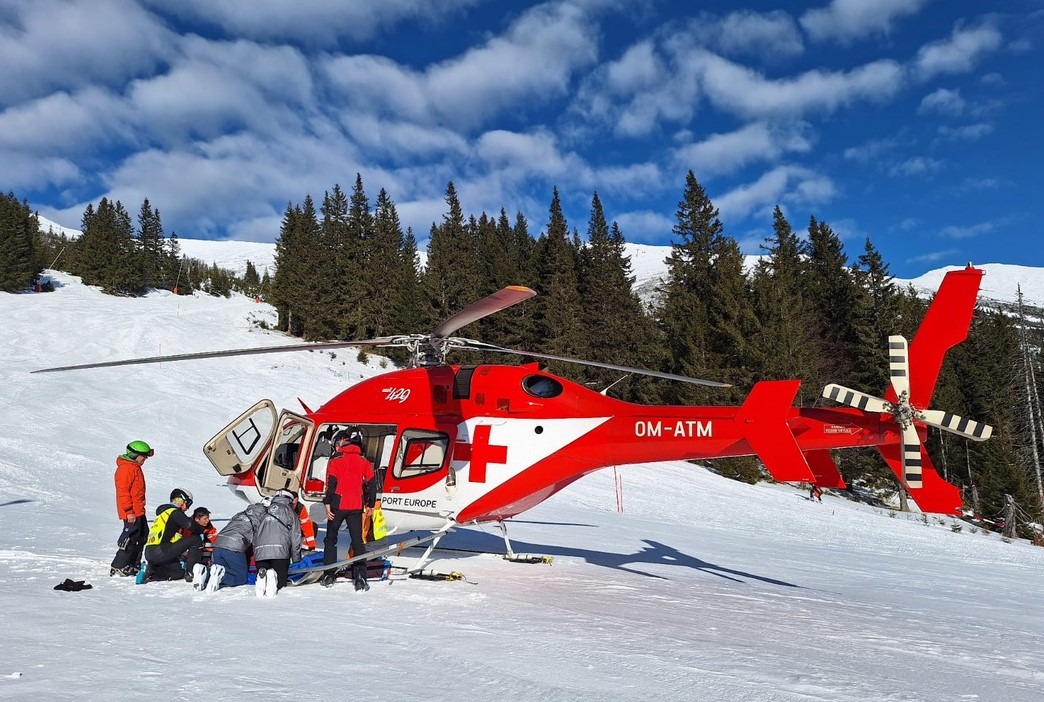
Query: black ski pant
x=165, y=559
x=353, y=518
x=280, y=565
x=131, y=542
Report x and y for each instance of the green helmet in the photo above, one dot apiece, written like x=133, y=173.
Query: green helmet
x=139, y=448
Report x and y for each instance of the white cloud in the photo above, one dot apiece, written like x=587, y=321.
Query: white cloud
x=918, y=165
x=316, y=22
x=968, y=132
x=783, y=183
x=934, y=256
x=846, y=20
x=644, y=225
x=532, y=62
x=758, y=141
x=870, y=150
x=52, y=45
x=739, y=90
x=25, y=171
x=959, y=53
x=948, y=103
x=968, y=231
x=747, y=33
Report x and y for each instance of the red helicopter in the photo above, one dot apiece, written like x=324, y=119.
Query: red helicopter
x=458, y=444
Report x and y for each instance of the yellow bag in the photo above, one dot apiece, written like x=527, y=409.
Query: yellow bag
x=379, y=530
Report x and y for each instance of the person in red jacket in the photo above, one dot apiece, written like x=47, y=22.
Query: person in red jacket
x=130, y=506
x=350, y=489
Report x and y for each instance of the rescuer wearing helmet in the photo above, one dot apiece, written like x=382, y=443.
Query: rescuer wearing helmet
x=130, y=506
x=167, y=542
x=350, y=488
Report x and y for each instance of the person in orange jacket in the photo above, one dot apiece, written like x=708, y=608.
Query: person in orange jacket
x=130, y=506
x=307, y=525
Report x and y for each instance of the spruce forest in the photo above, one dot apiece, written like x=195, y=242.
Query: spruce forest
x=808, y=310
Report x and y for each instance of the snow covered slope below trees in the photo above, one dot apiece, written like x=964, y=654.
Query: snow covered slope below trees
x=702, y=589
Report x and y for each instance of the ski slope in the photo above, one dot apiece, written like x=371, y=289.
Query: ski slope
x=702, y=589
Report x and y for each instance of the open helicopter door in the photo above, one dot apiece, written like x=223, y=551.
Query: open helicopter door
x=282, y=470
x=236, y=448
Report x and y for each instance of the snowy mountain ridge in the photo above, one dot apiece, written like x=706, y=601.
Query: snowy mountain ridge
x=648, y=265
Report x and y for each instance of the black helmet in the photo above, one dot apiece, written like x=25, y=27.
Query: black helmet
x=348, y=436
x=181, y=494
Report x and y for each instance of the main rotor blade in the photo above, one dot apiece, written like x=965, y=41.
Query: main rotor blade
x=502, y=299
x=854, y=398
x=955, y=424
x=481, y=346
x=318, y=346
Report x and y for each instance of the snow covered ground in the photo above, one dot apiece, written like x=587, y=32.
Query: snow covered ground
x=702, y=589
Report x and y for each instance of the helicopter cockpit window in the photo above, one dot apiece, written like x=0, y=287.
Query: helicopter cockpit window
x=421, y=451
x=377, y=441
x=541, y=386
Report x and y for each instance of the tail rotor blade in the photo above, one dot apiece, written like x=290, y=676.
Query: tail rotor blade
x=854, y=398
x=911, y=456
x=955, y=424
x=899, y=366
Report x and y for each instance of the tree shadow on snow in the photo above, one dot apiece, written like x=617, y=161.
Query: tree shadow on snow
x=654, y=553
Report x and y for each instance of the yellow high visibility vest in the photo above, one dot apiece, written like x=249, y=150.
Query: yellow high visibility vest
x=159, y=526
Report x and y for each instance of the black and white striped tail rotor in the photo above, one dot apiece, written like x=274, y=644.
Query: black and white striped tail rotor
x=904, y=413
x=899, y=366
x=956, y=424
x=854, y=398
x=911, y=457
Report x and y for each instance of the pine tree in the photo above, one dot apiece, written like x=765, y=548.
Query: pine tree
x=557, y=310
x=150, y=241
x=107, y=253
x=617, y=327
x=832, y=291
x=451, y=279
x=18, y=244
x=788, y=341
x=684, y=317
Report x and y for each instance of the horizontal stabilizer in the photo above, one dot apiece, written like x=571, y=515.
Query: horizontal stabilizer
x=824, y=469
x=763, y=421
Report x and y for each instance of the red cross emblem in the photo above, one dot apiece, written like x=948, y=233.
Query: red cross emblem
x=480, y=453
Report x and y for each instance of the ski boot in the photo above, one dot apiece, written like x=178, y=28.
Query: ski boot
x=360, y=582
x=259, y=582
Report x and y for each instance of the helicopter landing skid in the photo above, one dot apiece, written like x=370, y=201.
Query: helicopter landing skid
x=513, y=557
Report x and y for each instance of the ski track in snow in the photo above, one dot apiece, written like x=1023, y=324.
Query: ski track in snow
x=703, y=589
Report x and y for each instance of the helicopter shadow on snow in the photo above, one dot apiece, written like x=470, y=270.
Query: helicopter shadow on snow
x=653, y=553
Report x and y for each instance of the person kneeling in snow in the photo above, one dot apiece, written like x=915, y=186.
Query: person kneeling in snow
x=229, y=566
x=166, y=544
x=277, y=544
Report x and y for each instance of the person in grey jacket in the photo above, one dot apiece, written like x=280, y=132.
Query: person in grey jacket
x=229, y=566
x=277, y=543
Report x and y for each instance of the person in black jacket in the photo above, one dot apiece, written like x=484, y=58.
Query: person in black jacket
x=167, y=544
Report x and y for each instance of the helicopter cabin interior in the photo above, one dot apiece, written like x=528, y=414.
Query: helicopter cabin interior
x=273, y=447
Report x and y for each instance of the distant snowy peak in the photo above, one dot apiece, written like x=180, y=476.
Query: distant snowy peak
x=648, y=265
x=1000, y=282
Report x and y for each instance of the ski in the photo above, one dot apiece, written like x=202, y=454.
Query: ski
x=407, y=543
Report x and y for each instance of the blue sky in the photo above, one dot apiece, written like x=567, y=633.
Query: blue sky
x=914, y=122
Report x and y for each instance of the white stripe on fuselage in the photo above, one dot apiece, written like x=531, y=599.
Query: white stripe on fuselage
x=528, y=441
